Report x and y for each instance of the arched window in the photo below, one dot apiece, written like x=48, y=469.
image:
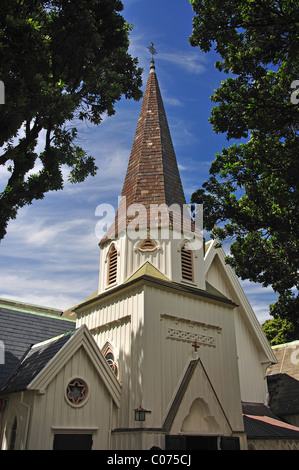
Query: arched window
x=112, y=265
x=110, y=353
x=109, y=356
x=187, y=263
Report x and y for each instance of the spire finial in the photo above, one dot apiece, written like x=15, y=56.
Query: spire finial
x=153, y=52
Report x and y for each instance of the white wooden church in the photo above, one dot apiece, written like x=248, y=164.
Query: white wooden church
x=167, y=352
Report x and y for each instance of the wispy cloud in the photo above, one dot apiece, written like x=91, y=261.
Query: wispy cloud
x=52, y=257
x=193, y=62
x=187, y=59
x=260, y=298
x=173, y=101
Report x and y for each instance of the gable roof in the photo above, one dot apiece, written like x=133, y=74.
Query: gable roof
x=261, y=423
x=147, y=269
x=239, y=297
x=195, y=363
x=44, y=360
x=33, y=362
x=264, y=427
x=22, y=325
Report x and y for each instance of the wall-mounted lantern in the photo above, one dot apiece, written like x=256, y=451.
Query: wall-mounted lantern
x=140, y=413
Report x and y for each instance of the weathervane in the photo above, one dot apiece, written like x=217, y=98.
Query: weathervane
x=152, y=50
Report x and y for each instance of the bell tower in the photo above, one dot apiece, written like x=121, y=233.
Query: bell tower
x=153, y=224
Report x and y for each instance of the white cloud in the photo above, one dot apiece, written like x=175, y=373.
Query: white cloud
x=192, y=61
x=59, y=292
x=172, y=101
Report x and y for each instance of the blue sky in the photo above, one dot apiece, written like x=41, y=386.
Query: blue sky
x=50, y=255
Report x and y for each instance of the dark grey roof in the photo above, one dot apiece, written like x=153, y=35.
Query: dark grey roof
x=33, y=363
x=20, y=328
x=261, y=423
x=284, y=394
x=266, y=429
x=257, y=409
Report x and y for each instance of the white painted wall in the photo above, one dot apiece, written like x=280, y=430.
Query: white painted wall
x=254, y=352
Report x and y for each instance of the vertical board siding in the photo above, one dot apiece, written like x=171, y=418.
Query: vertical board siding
x=52, y=412
x=251, y=369
x=220, y=362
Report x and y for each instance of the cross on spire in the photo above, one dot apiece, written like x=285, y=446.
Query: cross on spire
x=195, y=345
x=152, y=50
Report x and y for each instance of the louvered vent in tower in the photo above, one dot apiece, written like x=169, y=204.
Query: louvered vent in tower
x=112, y=265
x=187, y=263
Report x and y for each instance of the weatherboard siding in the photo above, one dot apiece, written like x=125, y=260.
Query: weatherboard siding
x=166, y=258
x=252, y=359
x=53, y=414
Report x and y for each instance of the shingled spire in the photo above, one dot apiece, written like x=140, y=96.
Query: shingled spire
x=152, y=175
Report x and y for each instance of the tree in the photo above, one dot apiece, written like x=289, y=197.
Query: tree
x=60, y=61
x=278, y=331
x=251, y=196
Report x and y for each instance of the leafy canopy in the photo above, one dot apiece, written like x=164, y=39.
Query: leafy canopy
x=251, y=196
x=60, y=61
x=278, y=331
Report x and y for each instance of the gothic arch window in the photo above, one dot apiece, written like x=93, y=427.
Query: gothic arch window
x=187, y=262
x=112, y=265
x=111, y=356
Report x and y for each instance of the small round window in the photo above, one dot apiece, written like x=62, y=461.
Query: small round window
x=76, y=391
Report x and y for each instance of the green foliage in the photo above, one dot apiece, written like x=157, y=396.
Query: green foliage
x=278, y=331
x=251, y=196
x=59, y=61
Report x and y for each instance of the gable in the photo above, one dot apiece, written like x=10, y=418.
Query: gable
x=222, y=277
x=44, y=361
x=200, y=409
x=148, y=270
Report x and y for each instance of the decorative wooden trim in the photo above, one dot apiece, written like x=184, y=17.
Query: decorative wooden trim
x=81, y=388
x=178, y=287
x=190, y=337
x=111, y=324
x=147, y=245
x=191, y=323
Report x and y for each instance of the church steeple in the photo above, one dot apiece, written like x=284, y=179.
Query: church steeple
x=152, y=224
x=152, y=175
